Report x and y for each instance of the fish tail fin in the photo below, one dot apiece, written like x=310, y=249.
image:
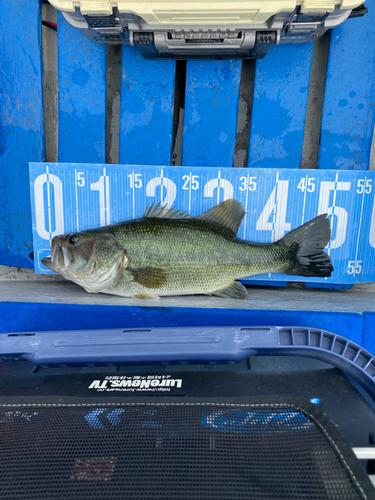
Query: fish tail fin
x=304, y=247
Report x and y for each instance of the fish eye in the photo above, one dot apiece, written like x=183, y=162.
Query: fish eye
x=73, y=238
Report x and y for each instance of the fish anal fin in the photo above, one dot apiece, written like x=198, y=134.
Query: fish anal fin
x=228, y=214
x=162, y=212
x=234, y=290
x=150, y=277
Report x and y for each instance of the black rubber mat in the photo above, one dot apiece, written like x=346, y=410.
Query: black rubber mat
x=260, y=450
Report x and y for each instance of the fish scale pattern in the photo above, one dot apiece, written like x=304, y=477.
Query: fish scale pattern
x=198, y=257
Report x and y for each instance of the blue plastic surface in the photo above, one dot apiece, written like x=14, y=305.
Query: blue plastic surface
x=211, y=108
x=329, y=286
x=369, y=331
x=82, y=96
x=349, y=95
x=281, y=87
x=268, y=283
x=21, y=125
x=189, y=345
x=71, y=197
x=25, y=316
x=146, y=118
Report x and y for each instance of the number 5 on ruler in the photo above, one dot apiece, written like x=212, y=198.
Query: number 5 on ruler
x=341, y=214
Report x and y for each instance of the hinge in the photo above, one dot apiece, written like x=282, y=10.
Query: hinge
x=107, y=28
x=302, y=23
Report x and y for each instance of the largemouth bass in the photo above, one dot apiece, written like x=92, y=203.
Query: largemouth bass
x=168, y=252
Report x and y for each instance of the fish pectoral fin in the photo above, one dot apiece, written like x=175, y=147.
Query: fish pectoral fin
x=228, y=215
x=234, y=290
x=150, y=277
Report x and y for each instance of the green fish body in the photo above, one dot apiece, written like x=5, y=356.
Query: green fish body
x=170, y=253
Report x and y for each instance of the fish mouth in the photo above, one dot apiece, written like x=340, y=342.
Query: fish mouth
x=54, y=262
x=47, y=261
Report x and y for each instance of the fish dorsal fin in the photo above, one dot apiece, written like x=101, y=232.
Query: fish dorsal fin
x=162, y=212
x=228, y=214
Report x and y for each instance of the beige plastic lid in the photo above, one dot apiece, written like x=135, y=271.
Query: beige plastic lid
x=202, y=12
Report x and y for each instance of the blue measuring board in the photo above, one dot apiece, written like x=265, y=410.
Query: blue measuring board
x=69, y=197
